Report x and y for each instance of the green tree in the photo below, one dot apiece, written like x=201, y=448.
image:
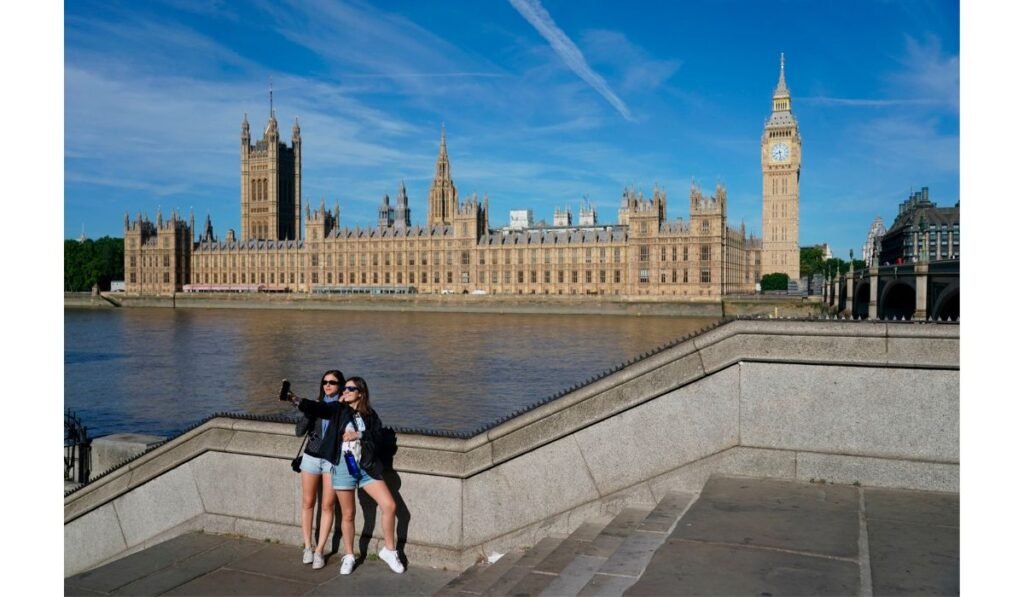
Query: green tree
x=812, y=261
x=92, y=262
x=776, y=281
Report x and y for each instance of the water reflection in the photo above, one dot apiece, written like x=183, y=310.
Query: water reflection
x=161, y=370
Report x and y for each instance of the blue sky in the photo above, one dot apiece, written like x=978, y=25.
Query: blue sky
x=544, y=102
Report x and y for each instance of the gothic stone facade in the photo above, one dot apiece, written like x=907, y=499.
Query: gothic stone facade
x=643, y=254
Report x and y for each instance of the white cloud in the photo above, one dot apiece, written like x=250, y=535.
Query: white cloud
x=570, y=54
x=930, y=73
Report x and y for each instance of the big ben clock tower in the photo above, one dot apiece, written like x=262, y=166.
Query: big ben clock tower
x=780, y=169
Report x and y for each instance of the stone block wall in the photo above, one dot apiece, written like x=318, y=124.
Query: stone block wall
x=871, y=402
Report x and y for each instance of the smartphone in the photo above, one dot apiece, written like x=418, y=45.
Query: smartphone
x=286, y=387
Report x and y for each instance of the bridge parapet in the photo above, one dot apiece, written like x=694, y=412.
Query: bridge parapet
x=926, y=290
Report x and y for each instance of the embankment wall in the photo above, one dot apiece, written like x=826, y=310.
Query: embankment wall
x=869, y=402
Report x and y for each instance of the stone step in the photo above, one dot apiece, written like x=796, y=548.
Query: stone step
x=478, y=578
x=604, y=556
x=623, y=568
x=570, y=569
x=550, y=567
x=524, y=565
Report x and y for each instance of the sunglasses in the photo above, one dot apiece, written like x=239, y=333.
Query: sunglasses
x=350, y=389
x=330, y=382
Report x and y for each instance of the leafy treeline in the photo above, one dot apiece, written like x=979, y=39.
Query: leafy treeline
x=812, y=261
x=92, y=262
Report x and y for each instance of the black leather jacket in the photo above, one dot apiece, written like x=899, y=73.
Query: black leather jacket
x=323, y=445
x=339, y=416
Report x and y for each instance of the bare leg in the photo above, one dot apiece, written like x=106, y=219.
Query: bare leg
x=347, y=497
x=380, y=493
x=326, y=512
x=309, y=484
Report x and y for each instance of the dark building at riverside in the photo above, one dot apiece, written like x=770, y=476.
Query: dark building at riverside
x=921, y=230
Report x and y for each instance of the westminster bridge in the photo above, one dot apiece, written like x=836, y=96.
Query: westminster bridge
x=922, y=290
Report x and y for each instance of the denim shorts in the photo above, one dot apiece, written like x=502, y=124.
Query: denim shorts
x=316, y=466
x=342, y=479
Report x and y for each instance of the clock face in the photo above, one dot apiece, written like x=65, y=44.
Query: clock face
x=780, y=152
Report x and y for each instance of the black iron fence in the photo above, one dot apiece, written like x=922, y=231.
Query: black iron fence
x=76, y=449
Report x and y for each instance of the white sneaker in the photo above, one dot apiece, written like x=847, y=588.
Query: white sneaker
x=347, y=563
x=390, y=556
x=307, y=555
x=318, y=561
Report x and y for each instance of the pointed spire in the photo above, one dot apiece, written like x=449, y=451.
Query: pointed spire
x=296, y=132
x=245, y=124
x=781, y=89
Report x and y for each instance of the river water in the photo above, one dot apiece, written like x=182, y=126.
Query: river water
x=159, y=371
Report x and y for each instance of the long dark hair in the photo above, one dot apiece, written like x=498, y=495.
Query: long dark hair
x=335, y=373
x=363, y=407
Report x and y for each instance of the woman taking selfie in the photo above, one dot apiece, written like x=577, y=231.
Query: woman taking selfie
x=319, y=461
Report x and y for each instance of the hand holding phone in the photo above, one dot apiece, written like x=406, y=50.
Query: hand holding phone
x=286, y=387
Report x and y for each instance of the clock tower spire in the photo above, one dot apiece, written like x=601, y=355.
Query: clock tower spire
x=780, y=170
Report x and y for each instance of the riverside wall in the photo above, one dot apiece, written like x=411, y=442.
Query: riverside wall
x=738, y=306
x=868, y=402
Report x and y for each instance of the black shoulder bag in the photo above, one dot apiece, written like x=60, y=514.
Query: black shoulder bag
x=297, y=461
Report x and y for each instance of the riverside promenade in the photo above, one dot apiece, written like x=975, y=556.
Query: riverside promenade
x=740, y=536
x=814, y=457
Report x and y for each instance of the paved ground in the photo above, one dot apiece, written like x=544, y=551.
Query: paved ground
x=740, y=537
x=198, y=564
x=764, y=537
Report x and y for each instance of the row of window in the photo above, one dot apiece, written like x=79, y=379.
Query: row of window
x=506, y=277
x=375, y=259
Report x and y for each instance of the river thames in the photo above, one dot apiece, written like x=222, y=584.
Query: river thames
x=159, y=371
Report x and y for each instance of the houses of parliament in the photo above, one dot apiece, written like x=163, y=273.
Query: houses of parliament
x=284, y=245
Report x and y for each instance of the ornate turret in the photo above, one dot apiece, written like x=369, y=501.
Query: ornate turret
x=385, y=213
x=402, y=213
x=443, y=199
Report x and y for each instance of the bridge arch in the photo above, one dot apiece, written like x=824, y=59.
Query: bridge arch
x=861, y=299
x=947, y=305
x=898, y=301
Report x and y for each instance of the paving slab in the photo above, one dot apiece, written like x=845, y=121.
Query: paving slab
x=605, y=585
x=375, y=578
x=235, y=582
x=684, y=567
x=143, y=563
x=633, y=555
x=921, y=507
x=285, y=561
x=186, y=570
x=667, y=512
x=574, y=577
x=807, y=517
x=913, y=559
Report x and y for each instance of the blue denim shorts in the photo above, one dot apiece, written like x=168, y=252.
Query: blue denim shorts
x=316, y=466
x=342, y=479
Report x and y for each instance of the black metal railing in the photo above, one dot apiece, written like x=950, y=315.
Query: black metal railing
x=77, y=446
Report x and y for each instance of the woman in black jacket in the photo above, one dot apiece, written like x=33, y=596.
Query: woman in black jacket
x=361, y=432
x=319, y=462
